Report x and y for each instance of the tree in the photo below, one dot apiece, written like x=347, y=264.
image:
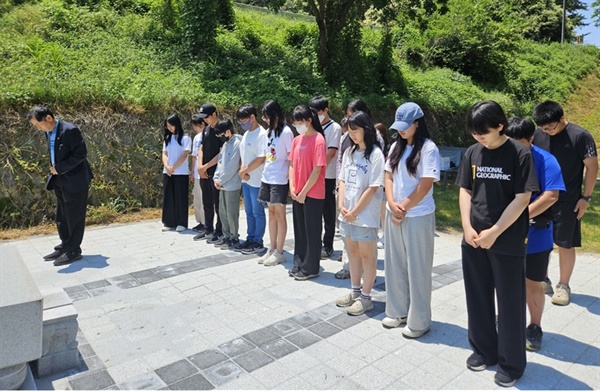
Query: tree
x=596, y=14
x=199, y=20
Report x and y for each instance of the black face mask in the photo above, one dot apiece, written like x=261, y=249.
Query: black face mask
x=223, y=138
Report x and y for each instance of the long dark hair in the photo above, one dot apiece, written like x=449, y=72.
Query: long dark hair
x=274, y=113
x=303, y=113
x=174, y=120
x=362, y=120
x=358, y=105
x=421, y=134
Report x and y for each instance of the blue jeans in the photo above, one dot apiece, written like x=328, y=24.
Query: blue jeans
x=255, y=214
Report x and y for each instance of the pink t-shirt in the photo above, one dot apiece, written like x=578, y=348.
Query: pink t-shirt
x=308, y=152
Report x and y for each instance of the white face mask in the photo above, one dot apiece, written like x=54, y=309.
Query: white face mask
x=321, y=117
x=302, y=128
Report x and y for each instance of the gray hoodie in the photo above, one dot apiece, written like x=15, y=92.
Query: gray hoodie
x=228, y=165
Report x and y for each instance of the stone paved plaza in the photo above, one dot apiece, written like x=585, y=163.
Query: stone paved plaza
x=160, y=311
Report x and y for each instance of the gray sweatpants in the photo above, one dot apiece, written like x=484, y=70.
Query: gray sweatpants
x=229, y=211
x=408, y=264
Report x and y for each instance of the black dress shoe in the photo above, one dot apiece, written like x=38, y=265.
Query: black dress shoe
x=67, y=258
x=54, y=255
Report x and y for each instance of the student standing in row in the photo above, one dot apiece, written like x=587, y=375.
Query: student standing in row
x=228, y=183
x=307, y=188
x=207, y=158
x=252, y=152
x=274, y=188
x=176, y=148
x=333, y=133
x=360, y=188
x=496, y=178
x=413, y=166
x=198, y=126
x=539, y=239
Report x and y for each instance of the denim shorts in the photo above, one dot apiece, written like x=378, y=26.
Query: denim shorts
x=273, y=193
x=358, y=233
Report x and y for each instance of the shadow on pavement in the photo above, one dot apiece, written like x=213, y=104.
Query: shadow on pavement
x=88, y=261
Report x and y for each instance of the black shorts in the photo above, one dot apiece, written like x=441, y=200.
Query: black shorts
x=536, y=265
x=273, y=193
x=567, y=228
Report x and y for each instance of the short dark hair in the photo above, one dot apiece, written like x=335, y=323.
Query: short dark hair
x=222, y=126
x=485, y=115
x=319, y=103
x=547, y=112
x=520, y=128
x=197, y=120
x=39, y=112
x=245, y=111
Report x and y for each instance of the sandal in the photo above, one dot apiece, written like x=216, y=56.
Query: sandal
x=342, y=274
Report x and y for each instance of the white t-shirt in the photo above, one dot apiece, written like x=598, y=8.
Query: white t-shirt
x=195, y=147
x=333, y=133
x=252, y=147
x=405, y=184
x=277, y=162
x=174, y=151
x=358, y=175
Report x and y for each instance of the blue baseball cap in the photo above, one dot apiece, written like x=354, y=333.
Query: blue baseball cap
x=406, y=114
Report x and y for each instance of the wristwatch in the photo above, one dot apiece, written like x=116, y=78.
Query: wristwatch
x=587, y=198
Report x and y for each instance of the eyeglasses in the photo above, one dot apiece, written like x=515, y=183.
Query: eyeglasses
x=548, y=130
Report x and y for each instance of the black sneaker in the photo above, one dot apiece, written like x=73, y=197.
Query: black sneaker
x=230, y=244
x=475, y=364
x=242, y=246
x=326, y=252
x=215, y=237
x=199, y=227
x=534, y=337
x=222, y=240
x=202, y=235
x=254, y=248
x=302, y=276
x=292, y=273
x=504, y=380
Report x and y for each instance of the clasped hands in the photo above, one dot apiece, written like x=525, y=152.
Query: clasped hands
x=483, y=240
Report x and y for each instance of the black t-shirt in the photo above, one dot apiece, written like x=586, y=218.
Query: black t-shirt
x=211, y=145
x=570, y=147
x=494, y=177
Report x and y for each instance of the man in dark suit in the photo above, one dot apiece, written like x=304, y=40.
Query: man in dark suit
x=70, y=177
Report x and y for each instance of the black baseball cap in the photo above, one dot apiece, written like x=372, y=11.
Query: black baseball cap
x=207, y=110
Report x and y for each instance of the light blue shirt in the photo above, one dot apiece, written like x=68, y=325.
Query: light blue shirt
x=52, y=141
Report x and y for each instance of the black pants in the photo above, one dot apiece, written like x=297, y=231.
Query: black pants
x=210, y=199
x=70, y=217
x=308, y=224
x=175, y=200
x=483, y=272
x=329, y=212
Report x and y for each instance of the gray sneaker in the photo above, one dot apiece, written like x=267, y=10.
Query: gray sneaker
x=347, y=300
x=547, y=286
x=265, y=257
x=274, y=259
x=360, y=306
x=562, y=294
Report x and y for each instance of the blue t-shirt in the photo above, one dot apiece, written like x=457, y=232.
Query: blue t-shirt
x=550, y=178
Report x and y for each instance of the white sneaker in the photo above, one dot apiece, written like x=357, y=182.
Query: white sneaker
x=413, y=334
x=391, y=322
x=179, y=229
x=274, y=259
x=167, y=228
x=266, y=256
x=380, y=244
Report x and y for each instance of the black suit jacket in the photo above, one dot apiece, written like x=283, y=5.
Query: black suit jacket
x=70, y=152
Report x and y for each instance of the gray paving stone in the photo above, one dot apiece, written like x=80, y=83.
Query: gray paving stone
x=278, y=348
x=166, y=271
x=223, y=372
x=74, y=289
x=176, y=371
x=261, y=336
x=195, y=382
x=111, y=388
x=253, y=360
x=97, y=292
x=206, y=359
x=236, y=347
x=324, y=329
x=86, y=350
x=96, y=380
x=285, y=327
x=307, y=319
x=145, y=276
x=344, y=320
x=146, y=382
x=94, y=363
x=79, y=296
x=303, y=339
x=96, y=284
x=326, y=311
x=124, y=281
